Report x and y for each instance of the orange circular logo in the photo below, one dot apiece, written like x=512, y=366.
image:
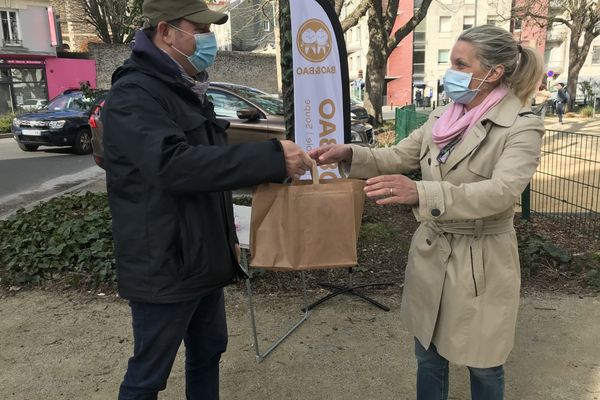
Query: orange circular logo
x=314, y=40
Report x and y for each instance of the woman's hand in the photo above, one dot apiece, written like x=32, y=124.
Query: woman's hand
x=393, y=189
x=331, y=153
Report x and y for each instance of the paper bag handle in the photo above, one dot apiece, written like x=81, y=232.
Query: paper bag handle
x=314, y=172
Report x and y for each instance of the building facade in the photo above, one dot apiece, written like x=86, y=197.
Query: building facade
x=76, y=32
x=30, y=70
x=357, y=46
x=26, y=43
x=252, y=25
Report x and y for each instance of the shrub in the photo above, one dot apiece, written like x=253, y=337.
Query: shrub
x=6, y=122
x=385, y=139
x=587, y=112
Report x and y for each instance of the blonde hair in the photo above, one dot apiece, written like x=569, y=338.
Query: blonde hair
x=523, y=66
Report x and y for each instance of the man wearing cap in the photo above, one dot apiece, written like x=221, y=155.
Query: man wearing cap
x=169, y=176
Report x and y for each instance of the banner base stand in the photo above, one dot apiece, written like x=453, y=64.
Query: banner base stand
x=261, y=356
x=348, y=290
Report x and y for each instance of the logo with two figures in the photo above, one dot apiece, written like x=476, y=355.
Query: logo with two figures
x=314, y=40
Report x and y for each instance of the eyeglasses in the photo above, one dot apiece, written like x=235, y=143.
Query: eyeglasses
x=445, y=152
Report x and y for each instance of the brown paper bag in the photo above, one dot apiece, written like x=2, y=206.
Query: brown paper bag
x=306, y=225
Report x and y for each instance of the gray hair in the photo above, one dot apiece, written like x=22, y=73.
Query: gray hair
x=523, y=66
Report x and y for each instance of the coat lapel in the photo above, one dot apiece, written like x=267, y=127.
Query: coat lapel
x=503, y=114
x=434, y=150
x=464, y=148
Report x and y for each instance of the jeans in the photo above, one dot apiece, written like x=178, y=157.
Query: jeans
x=432, y=377
x=159, y=329
x=560, y=110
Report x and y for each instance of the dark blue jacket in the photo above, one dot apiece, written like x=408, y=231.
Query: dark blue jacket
x=169, y=175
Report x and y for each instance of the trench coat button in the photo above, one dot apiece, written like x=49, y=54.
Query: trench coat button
x=428, y=241
x=429, y=161
x=435, y=212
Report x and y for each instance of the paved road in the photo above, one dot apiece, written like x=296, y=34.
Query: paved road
x=35, y=175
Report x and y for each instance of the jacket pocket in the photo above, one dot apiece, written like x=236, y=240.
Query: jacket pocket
x=483, y=167
x=477, y=269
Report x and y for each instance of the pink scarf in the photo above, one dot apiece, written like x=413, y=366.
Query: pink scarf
x=455, y=120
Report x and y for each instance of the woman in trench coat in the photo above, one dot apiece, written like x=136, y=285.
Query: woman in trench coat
x=476, y=156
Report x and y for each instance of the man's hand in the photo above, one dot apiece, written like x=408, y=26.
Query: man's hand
x=297, y=162
x=331, y=153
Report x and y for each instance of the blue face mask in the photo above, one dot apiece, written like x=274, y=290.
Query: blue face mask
x=456, y=86
x=206, y=50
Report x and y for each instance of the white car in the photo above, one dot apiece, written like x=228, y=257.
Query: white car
x=33, y=104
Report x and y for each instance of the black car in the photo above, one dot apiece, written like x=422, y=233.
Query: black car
x=63, y=122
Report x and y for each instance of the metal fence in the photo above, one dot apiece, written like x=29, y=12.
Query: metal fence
x=566, y=185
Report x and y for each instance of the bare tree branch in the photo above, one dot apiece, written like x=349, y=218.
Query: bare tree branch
x=390, y=15
x=408, y=27
x=356, y=14
x=114, y=21
x=338, y=5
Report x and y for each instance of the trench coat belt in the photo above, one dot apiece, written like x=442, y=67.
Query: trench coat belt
x=477, y=229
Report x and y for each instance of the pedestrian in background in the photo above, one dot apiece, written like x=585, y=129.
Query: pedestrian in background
x=476, y=155
x=541, y=100
x=419, y=98
x=169, y=176
x=562, y=99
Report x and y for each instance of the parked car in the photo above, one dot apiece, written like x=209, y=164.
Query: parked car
x=63, y=122
x=33, y=104
x=358, y=112
x=254, y=116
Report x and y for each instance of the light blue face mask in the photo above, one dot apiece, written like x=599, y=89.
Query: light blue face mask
x=456, y=85
x=206, y=50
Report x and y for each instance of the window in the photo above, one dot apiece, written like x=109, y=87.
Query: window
x=492, y=20
x=468, y=22
x=445, y=24
x=419, y=57
x=517, y=22
x=596, y=55
x=9, y=26
x=547, y=54
x=226, y=105
x=418, y=62
x=357, y=34
x=443, y=56
x=267, y=26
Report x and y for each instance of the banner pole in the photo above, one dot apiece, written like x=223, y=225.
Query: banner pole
x=287, y=69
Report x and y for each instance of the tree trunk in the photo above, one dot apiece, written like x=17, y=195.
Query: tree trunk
x=277, y=33
x=376, y=70
x=577, y=57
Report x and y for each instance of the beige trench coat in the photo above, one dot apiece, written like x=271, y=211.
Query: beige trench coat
x=462, y=284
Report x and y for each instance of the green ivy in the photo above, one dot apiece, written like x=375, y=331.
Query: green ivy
x=67, y=237
x=535, y=250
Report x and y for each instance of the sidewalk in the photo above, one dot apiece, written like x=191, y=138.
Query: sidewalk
x=69, y=346
x=64, y=345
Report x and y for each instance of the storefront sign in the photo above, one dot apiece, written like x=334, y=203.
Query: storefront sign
x=17, y=62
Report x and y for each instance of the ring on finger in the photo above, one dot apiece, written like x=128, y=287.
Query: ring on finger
x=391, y=192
